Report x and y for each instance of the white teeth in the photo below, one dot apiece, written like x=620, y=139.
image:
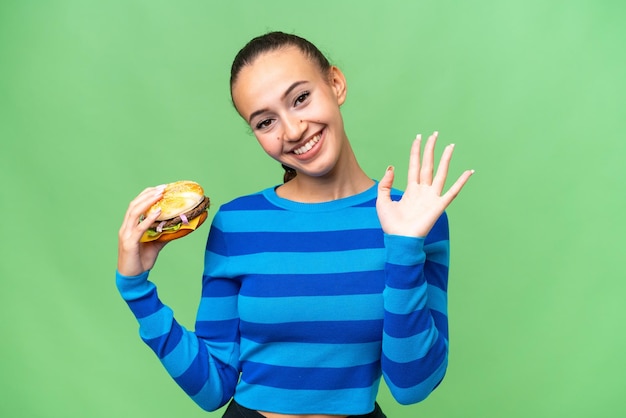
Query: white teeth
x=306, y=147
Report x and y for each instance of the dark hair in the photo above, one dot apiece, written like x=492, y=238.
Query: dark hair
x=273, y=41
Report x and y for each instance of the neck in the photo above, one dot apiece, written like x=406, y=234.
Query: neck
x=346, y=179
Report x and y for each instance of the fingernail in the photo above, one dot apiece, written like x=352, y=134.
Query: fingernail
x=436, y=133
x=452, y=145
x=390, y=168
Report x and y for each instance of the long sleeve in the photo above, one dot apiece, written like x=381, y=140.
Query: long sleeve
x=415, y=331
x=203, y=363
x=304, y=306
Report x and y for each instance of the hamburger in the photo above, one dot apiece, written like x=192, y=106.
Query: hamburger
x=183, y=209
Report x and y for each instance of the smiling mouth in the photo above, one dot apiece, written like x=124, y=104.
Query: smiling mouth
x=307, y=147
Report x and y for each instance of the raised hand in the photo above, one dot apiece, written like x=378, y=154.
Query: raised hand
x=423, y=201
x=135, y=257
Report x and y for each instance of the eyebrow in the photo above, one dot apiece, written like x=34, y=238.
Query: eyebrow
x=285, y=94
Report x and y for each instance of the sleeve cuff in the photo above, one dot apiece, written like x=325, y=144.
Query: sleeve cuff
x=133, y=287
x=404, y=251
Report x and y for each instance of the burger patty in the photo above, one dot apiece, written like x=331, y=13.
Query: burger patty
x=193, y=213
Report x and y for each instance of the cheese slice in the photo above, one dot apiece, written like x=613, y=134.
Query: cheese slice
x=193, y=224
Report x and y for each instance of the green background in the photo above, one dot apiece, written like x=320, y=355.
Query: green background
x=101, y=99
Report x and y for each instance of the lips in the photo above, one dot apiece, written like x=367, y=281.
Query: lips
x=308, y=146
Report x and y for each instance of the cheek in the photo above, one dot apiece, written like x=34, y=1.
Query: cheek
x=271, y=144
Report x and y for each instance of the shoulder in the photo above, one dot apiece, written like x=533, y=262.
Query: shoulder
x=253, y=201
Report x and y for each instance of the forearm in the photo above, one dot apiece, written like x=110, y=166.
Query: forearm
x=415, y=349
x=184, y=355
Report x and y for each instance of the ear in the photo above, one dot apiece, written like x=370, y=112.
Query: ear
x=338, y=84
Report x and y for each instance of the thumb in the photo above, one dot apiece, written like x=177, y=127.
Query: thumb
x=385, y=184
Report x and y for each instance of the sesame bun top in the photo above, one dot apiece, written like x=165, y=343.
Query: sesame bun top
x=178, y=197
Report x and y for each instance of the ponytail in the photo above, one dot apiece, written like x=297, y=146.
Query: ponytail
x=290, y=173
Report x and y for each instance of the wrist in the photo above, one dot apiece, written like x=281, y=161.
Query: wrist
x=404, y=250
x=130, y=271
x=133, y=287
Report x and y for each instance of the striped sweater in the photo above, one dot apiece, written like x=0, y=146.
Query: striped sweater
x=304, y=307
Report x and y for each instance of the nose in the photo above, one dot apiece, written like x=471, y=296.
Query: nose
x=294, y=128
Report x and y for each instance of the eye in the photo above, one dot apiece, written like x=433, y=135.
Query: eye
x=265, y=123
x=302, y=98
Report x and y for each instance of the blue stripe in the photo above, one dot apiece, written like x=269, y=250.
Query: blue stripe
x=415, y=372
x=217, y=309
x=251, y=202
x=311, y=308
x=405, y=277
x=307, y=355
x=436, y=274
x=164, y=344
x=395, y=196
x=217, y=239
x=405, y=301
x=283, y=285
x=222, y=331
x=219, y=287
x=439, y=231
x=254, y=242
x=406, y=350
x=296, y=263
x=193, y=379
x=437, y=300
x=133, y=287
x=310, y=378
x=336, y=332
x=218, y=388
x=418, y=392
x=402, y=326
x=225, y=351
x=157, y=324
x=179, y=359
x=441, y=322
x=438, y=252
x=403, y=250
x=285, y=221
x=211, y=396
x=146, y=304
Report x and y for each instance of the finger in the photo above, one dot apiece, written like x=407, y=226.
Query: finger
x=385, y=184
x=132, y=230
x=442, y=170
x=455, y=189
x=146, y=199
x=414, y=159
x=142, y=203
x=428, y=161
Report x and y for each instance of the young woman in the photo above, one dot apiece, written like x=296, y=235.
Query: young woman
x=316, y=288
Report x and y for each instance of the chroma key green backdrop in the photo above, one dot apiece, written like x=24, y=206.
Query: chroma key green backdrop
x=99, y=99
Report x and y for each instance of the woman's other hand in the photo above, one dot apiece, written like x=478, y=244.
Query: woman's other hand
x=423, y=201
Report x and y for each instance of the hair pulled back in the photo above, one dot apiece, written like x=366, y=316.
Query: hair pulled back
x=270, y=42
x=273, y=41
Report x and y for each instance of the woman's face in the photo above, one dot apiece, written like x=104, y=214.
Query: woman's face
x=293, y=109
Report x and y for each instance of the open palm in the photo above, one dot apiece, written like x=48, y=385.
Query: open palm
x=423, y=201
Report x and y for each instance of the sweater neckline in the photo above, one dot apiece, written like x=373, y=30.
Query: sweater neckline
x=344, y=202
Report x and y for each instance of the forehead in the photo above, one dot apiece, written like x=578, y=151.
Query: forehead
x=269, y=75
